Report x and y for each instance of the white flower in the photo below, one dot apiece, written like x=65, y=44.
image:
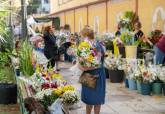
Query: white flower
x=44, y=92
x=70, y=97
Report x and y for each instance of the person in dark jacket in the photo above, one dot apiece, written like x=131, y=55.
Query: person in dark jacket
x=51, y=48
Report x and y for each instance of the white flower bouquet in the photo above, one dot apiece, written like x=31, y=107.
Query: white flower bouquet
x=45, y=92
x=70, y=97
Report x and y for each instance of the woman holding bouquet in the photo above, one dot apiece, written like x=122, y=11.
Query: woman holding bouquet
x=93, y=97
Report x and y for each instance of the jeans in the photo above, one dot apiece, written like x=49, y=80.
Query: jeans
x=159, y=55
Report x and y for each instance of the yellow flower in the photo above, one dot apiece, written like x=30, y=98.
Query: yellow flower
x=90, y=58
x=56, y=76
x=58, y=91
x=68, y=88
x=84, y=45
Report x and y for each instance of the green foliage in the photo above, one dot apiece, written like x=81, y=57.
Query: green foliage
x=32, y=7
x=7, y=75
x=127, y=38
x=26, y=59
x=6, y=71
x=49, y=100
x=128, y=20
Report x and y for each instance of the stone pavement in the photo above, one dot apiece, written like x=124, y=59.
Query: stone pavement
x=119, y=100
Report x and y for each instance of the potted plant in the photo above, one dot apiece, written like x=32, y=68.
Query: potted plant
x=132, y=82
x=114, y=65
x=157, y=83
x=138, y=78
x=25, y=55
x=8, y=87
x=162, y=78
x=147, y=79
x=127, y=35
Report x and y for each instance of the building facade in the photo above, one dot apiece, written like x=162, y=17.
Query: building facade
x=44, y=7
x=103, y=15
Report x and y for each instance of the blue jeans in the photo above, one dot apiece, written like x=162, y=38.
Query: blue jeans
x=159, y=55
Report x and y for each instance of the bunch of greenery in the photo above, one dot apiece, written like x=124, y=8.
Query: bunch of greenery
x=6, y=71
x=49, y=100
x=26, y=59
x=127, y=38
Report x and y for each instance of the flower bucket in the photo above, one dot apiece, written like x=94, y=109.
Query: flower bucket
x=132, y=84
x=131, y=51
x=122, y=51
x=145, y=88
x=157, y=88
x=8, y=93
x=138, y=86
x=116, y=76
x=126, y=83
x=164, y=89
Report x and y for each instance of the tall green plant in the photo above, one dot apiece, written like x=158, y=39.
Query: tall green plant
x=26, y=59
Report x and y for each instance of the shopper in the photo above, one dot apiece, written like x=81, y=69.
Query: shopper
x=159, y=50
x=67, y=33
x=94, y=98
x=51, y=48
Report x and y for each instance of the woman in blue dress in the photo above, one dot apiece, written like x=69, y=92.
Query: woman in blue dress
x=94, y=98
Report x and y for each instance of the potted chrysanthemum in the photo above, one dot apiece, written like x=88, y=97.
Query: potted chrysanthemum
x=114, y=66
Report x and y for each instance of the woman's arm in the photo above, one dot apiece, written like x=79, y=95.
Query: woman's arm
x=85, y=68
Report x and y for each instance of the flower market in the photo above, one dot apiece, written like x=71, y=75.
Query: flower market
x=82, y=57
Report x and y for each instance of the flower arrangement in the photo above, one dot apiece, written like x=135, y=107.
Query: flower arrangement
x=145, y=75
x=88, y=55
x=70, y=97
x=161, y=73
x=72, y=51
x=127, y=37
x=114, y=63
x=62, y=38
x=61, y=90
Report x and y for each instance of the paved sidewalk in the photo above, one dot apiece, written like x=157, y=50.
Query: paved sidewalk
x=119, y=100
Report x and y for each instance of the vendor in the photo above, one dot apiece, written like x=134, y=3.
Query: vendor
x=159, y=50
x=138, y=33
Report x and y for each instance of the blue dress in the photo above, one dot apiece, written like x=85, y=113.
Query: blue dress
x=95, y=96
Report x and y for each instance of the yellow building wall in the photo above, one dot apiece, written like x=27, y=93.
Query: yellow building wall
x=70, y=19
x=80, y=19
x=73, y=3
x=147, y=13
x=98, y=11
x=62, y=19
x=115, y=9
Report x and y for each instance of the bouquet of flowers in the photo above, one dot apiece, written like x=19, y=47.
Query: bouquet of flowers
x=72, y=51
x=114, y=63
x=70, y=97
x=88, y=55
x=145, y=75
x=161, y=75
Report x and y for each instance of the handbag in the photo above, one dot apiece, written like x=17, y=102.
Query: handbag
x=88, y=80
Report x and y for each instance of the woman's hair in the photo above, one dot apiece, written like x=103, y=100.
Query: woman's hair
x=47, y=29
x=139, y=25
x=67, y=27
x=84, y=31
x=90, y=34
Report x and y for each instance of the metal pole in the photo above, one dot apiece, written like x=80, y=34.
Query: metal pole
x=24, y=21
